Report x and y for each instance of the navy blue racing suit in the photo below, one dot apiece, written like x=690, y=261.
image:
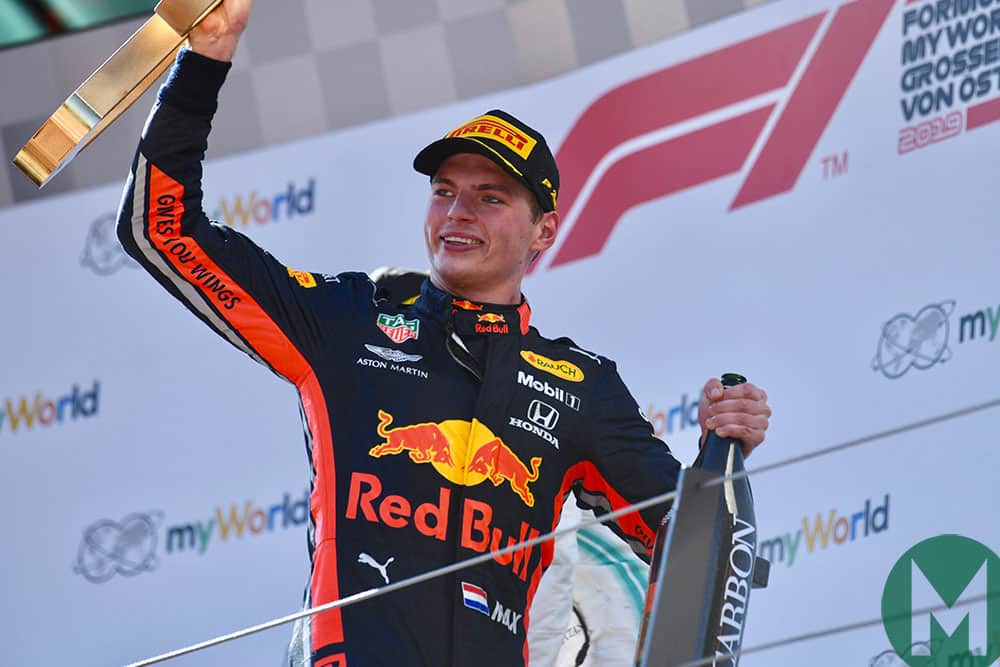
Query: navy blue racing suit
x=436, y=430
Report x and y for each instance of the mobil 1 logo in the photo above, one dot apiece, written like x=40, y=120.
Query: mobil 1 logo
x=543, y=387
x=945, y=592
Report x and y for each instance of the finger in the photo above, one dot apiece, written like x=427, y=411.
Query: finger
x=713, y=390
x=746, y=390
x=751, y=442
x=748, y=436
x=745, y=433
x=239, y=12
x=720, y=423
x=744, y=405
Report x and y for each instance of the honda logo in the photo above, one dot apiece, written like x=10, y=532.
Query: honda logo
x=543, y=414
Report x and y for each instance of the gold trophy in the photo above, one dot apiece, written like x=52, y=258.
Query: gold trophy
x=112, y=89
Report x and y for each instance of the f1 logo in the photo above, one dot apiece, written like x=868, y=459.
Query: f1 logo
x=543, y=414
x=612, y=162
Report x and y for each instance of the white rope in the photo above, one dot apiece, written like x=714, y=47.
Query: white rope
x=826, y=451
x=604, y=518
x=404, y=583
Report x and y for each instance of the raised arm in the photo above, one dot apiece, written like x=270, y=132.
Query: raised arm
x=238, y=289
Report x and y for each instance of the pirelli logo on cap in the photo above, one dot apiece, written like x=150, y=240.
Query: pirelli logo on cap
x=491, y=127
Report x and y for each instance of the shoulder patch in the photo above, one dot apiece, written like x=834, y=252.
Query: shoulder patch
x=303, y=278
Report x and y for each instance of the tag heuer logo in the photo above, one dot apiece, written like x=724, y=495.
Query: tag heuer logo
x=397, y=328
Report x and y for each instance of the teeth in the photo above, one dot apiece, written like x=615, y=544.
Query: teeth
x=462, y=239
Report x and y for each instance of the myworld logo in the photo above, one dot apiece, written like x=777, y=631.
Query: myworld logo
x=960, y=579
x=678, y=417
x=26, y=412
x=130, y=547
x=294, y=201
x=102, y=252
x=236, y=522
x=922, y=341
x=827, y=529
x=126, y=547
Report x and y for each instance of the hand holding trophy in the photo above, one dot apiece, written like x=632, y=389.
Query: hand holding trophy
x=217, y=34
x=126, y=75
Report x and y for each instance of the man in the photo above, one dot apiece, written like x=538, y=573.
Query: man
x=438, y=429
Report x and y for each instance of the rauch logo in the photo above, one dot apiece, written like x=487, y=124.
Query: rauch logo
x=243, y=209
x=27, y=412
x=237, y=521
x=827, y=530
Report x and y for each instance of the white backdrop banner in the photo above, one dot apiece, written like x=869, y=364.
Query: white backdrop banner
x=802, y=193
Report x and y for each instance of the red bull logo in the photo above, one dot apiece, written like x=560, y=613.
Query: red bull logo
x=465, y=304
x=462, y=452
x=497, y=463
x=476, y=522
x=494, y=324
x=425, y=443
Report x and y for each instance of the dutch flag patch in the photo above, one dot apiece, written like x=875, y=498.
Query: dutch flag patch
x=474, y=597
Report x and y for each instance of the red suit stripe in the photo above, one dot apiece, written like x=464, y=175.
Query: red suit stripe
x=267, y=339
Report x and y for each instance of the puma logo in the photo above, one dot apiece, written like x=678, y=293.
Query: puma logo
x=365, y=559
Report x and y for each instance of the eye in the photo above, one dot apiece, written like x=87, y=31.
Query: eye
x=441, y=191
x=490, y=199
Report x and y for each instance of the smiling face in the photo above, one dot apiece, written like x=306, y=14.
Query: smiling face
x=480, y=230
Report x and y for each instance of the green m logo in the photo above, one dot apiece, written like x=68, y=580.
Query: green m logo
x=939, y=572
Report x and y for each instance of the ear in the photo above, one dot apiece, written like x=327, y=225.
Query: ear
x=548, y=228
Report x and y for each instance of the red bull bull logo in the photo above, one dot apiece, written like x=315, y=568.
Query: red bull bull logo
x=462, y=452
x=497, y=463
x=465, y=304
x=425, y=443
x=494, y=324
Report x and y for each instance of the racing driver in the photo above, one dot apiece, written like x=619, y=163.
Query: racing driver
x=439, y=429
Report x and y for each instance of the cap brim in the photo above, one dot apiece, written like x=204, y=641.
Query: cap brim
x=429, y=160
